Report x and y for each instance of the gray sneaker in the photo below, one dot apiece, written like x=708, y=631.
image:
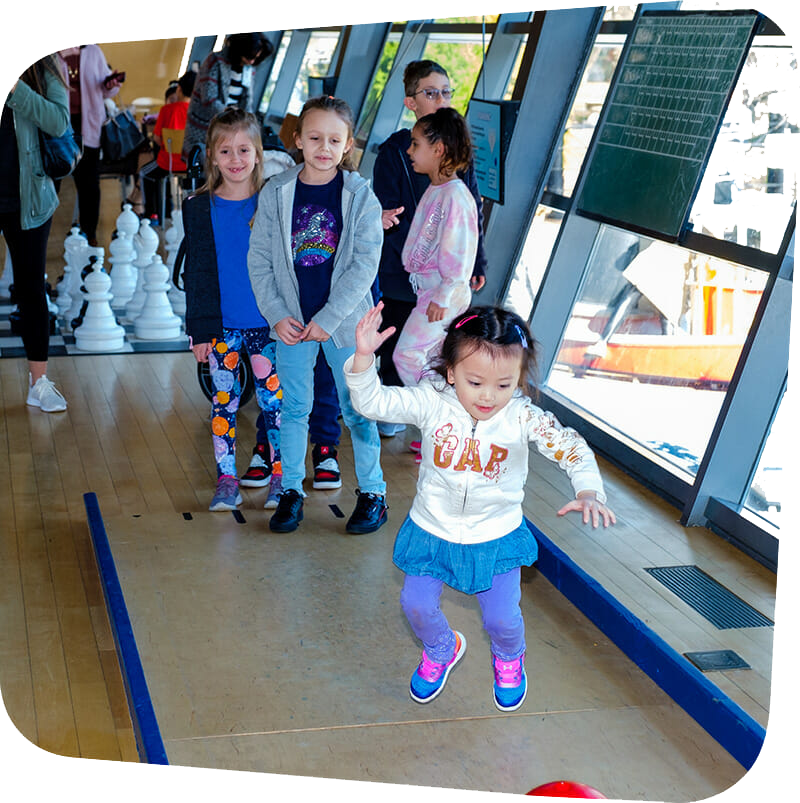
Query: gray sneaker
x=227, y=496
x=275, y=490
x=46, y=396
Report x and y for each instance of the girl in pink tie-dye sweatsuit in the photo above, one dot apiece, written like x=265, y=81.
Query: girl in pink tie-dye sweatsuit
x=439, y=253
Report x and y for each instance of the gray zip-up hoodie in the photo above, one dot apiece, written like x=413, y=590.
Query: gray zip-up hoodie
x=355, y=263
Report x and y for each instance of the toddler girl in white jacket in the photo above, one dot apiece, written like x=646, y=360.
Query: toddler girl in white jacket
x=465, y=527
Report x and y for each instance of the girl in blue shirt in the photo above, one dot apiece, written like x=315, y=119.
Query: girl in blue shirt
x=313, y=259
x=222, y=316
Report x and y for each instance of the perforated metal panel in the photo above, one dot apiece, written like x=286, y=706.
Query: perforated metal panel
x=708, y=597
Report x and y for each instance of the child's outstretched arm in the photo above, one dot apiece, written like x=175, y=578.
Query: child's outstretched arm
x=369, y=339
x=587, y=503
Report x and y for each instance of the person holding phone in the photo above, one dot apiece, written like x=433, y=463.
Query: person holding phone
x=90, y=81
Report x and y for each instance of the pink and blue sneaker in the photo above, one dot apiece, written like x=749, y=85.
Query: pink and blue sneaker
x=429, y=678
x=510, y=683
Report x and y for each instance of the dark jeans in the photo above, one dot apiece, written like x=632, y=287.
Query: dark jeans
x=28, y=251
x=395, y=313
x=87, y=184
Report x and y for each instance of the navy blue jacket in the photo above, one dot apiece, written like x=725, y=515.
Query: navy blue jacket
x=200, y=273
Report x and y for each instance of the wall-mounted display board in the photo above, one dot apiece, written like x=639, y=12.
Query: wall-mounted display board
x=491, y=123
x=670, y=91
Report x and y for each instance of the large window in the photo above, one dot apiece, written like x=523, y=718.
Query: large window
x=459, y=44
x=653, y=341
x=316, y=62
x=567, y=161
x=644, y=338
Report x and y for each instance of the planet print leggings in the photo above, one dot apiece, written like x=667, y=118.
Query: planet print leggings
x=223, y=363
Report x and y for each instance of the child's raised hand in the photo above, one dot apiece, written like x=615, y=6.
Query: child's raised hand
x=368, y=338
x=591, y=508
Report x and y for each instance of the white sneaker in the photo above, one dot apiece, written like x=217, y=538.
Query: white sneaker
x=45, y=395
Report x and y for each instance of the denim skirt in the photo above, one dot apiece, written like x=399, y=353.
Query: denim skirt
x=466, y=567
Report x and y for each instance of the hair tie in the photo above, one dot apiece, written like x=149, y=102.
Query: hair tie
x=521, y=335
x=464, y=320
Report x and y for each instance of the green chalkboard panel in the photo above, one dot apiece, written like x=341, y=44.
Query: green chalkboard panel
x=665, y=108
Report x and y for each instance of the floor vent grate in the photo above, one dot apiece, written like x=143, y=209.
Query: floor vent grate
x=710, y=599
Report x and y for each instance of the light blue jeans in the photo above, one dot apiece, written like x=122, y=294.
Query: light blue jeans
x=296, y=371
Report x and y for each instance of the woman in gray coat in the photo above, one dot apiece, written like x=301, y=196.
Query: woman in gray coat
x=28, y=199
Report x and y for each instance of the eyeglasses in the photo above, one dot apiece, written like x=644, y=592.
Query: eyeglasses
x=433, y=94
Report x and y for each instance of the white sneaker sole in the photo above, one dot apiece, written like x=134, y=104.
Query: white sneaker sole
x=215, y=508
x=59, y=407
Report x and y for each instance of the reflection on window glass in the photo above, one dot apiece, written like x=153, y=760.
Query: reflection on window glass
x=585, y=113
x=653, y=341
x=370, y=108
x=512, y=79
x=615, y=13
x=274, y=73
x=750, y=184
x=533, y=260
x=317, y=62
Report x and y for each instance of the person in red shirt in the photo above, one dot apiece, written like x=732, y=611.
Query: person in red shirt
x=172, y=118
x=168, y=136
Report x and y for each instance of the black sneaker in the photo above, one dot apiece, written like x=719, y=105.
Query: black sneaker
x=369, y=515
x=260, y=470
x=326, y=467
x=289, y=512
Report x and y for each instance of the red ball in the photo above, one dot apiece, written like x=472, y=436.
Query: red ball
x=566, y=789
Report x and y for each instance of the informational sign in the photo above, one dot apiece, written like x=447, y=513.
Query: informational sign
x=665, y=108
x=491, y=123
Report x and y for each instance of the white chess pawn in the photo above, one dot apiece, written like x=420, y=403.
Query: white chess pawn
x=123, y=273
x=83, y=263
x=74, y=243
x=172, y=243
x=128, y=221
x=157, y=321
x=146, y=244
x=98, y=330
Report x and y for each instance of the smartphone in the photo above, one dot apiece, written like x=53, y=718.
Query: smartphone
x=115, y=76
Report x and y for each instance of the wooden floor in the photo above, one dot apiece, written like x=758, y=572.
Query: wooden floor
x=136, y=434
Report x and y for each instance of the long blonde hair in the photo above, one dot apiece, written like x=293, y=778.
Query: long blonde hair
x=226, y=124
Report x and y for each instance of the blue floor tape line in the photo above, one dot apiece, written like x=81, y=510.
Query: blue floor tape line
x=729, y=724
x=148, y=736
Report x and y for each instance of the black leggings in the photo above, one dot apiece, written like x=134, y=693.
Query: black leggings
x=87, y=185
x=28, y=251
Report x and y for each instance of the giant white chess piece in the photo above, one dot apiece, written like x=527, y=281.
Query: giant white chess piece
x=98, y=329
x=83, y=262
x=172, y=242
x=157, y=321
x=74, y=243
x=146, y=244
x=123, y=274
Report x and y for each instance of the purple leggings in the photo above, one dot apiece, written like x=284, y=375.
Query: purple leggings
x=502, y=617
